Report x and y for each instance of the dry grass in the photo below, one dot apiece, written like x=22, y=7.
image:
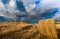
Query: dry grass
x=44, y=29
x=19, y=31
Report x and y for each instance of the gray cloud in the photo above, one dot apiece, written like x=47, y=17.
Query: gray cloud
x=9, y=10
x=33, y=11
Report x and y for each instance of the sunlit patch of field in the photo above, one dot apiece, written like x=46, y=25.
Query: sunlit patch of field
x=18, y=30
x=44, y=29
x=11, y=26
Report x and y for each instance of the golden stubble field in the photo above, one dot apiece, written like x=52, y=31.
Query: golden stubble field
x=44, y=29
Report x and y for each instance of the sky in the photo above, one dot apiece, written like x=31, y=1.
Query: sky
x=29, y=10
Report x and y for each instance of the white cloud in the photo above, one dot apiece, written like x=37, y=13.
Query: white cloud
x=48, y=4
x=32, y=9
x=57, y=15
x=45, y=5
x=9, y=10
x=12, y=3
x=42, y=7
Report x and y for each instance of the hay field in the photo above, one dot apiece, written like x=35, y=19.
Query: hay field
x=44, y=29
